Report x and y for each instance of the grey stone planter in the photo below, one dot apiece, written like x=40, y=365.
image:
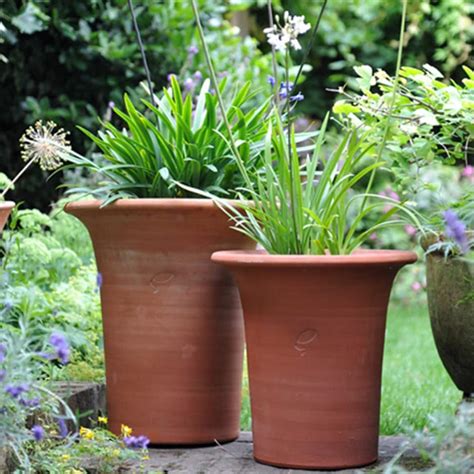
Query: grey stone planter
x=451, y=306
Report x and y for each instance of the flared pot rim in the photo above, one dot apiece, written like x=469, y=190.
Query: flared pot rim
x=359, y=257
x=144, y=204
x=7, y=204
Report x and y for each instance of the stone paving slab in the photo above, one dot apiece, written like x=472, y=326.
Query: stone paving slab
x=236, y=458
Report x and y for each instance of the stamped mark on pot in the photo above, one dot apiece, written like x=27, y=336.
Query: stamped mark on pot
x=305, y=340
x=160, y=279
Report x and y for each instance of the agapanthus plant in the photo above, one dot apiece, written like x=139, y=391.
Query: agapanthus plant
x=309, y=208
x=176, y=138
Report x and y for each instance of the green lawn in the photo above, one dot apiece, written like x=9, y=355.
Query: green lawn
x=415, y=384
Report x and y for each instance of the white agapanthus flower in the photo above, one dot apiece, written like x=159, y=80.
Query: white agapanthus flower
x=282, y=37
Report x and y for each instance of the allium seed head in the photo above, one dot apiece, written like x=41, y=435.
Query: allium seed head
x=44, y=144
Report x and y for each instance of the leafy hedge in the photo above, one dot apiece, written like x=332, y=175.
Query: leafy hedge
x=67, y=60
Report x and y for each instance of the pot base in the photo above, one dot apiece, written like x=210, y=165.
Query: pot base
x=324, y=467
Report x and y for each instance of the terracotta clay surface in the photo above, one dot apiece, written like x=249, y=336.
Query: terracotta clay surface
x=5, y=209
x=451, y=305
x=172, y=319
x=315, y=333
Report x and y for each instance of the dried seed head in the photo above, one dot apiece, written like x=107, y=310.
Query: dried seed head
x=44, y=144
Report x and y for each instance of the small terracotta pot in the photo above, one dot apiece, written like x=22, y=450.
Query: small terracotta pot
x=5, y=209
x=451, y=305
x=173, y=328
x=315, y=329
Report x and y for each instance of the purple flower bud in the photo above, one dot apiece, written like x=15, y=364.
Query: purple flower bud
x=60, y=344
x=297, y=98
x=111, y=104
x=38, y=432
x=62, y=427
x=16, y=390
x=193, y=50
x=271, y=81
x=285, y=89
x=188, y=84
x=136, y=441
x=170, y=76
x=31, y=403
x=455, y=229
x=197, y=76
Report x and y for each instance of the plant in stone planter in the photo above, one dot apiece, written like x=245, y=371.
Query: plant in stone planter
x=314, y=303
x=450, y=278
x=433, y=124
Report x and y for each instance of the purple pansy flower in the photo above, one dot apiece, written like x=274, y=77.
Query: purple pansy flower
x=136, y=441
x=38, y=432
x=456, y=229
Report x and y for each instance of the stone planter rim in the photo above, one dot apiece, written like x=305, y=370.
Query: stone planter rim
x=359, y=257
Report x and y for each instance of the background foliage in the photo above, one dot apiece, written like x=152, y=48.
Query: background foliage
x=67, y=61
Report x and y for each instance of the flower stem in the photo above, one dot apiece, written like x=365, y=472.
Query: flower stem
x=311, y=41
x=142, y=52
x=17, y=177
x=215, y=84
x=290, y=153
x=276, y=97
x=388, y=121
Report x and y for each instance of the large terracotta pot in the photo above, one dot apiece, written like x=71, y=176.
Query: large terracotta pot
x=5, y=209
x=451, y=306
x=173, y=328
x=315, y=329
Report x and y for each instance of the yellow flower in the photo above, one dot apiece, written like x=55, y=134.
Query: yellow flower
x=65, y=457
x=86, y=433
x=103, y=419
x=116, y=453
x=145, y=458
x=126, y=430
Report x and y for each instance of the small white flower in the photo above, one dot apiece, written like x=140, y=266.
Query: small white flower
x=426, y=117
x=43, y=144
x=282, y=37
x=409, y=128
x=295, y=44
